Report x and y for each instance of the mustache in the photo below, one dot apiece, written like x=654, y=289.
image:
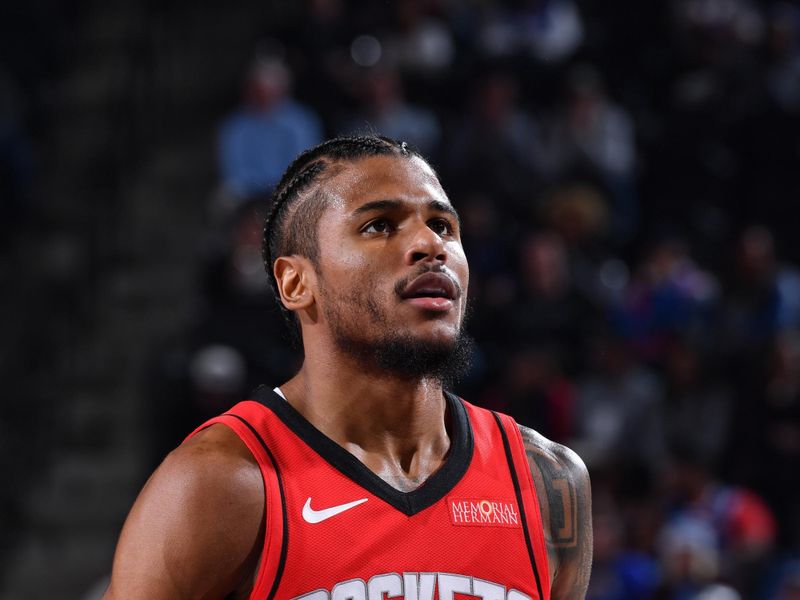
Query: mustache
x=403, y=283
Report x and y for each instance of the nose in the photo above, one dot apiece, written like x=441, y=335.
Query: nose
x=425, y=245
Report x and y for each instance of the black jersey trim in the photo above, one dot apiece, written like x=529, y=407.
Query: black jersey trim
x=518, y=491
x=285, y=542
x=436, y=487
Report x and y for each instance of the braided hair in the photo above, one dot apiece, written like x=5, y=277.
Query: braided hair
x=292, y=230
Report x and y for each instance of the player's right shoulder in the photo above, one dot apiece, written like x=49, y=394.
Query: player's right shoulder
x=210, y=448
x=196, y=528
x=211, y=470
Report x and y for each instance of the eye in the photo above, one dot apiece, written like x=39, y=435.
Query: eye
x=441, y=227
x=377, y=226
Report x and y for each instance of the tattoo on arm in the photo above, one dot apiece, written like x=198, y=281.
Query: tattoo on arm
x=561, y=500
x=564, y=491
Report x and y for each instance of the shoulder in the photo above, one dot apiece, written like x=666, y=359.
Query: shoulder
x=213, y=466
x=564, y=491
x=563, y=486
x=541, y=450
x=196, y=527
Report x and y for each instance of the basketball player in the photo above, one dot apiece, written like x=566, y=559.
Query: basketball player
x=361, y=478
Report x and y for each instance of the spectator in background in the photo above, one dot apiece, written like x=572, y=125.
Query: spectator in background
x=762, y=299
x=550, y=31
x=384, y=111
x=489, y=252
x=578, y=212
x=491, y=261
x=783, y=49
x=420, y=43
x=765, y=447
x=318, y=48
x=595, y=137
x=550, y=309
x=729, y=530
x=261, y=138
x=535, y=392
x=716, y=32
x=689, y=558
x=619, y=572
x=619, y=410
x=493, y=147
x=712, y=93
x=780, y=432
x=238, y=298
x=234, y=342
x=669, y=295
x=718, y=40
x=697, y=408
x=784, y=582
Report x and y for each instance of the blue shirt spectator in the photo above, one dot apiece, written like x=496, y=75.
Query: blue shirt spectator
x=258, y=141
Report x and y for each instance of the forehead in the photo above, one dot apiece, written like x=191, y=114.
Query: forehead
x=380, y=178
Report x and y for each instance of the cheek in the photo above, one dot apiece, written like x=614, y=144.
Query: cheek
x=341, y=267
x=357, y=281
x=458, y=263
x=350, y=262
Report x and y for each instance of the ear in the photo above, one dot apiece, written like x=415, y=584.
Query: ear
x=295, y=278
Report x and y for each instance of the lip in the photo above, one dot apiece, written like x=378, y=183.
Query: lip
x=434, y=291
x=433, y=304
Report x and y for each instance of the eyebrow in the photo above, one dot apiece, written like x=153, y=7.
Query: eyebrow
x=392, y=204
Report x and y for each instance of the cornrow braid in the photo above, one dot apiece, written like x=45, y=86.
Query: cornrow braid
x=283, y=227
x=284, y=193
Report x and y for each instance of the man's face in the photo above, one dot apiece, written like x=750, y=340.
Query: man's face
x=391, y=265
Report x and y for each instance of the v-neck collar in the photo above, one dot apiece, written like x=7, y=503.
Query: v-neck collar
x=431, y=491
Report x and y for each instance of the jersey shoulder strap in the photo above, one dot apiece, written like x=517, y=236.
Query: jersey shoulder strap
x=527, y=499
x=248, y=421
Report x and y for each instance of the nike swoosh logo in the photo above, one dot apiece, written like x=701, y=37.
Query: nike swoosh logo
x=317, y=516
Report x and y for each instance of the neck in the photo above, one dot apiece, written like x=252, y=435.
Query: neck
x=395, y=426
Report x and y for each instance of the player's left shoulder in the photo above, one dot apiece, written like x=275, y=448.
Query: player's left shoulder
x=565, y=501
x=552, y=458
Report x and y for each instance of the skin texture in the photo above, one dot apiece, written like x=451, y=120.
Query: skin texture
x=387, y=221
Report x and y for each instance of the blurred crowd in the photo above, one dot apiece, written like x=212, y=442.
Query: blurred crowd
x=625, y=174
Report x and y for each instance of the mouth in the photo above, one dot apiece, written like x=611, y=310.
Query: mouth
x=433, y=291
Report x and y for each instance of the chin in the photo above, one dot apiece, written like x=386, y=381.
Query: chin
x=441, y=351
x=435, y=333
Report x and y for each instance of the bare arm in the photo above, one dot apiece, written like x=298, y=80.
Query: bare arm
x=565, y=498
x=195, y=531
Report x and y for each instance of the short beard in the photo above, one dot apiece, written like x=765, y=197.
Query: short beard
x=399, y=354
x=410, y=358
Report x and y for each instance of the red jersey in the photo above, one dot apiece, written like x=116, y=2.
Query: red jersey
x=337, y=531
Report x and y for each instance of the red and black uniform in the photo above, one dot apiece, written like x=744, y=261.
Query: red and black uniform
x=336, y=531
